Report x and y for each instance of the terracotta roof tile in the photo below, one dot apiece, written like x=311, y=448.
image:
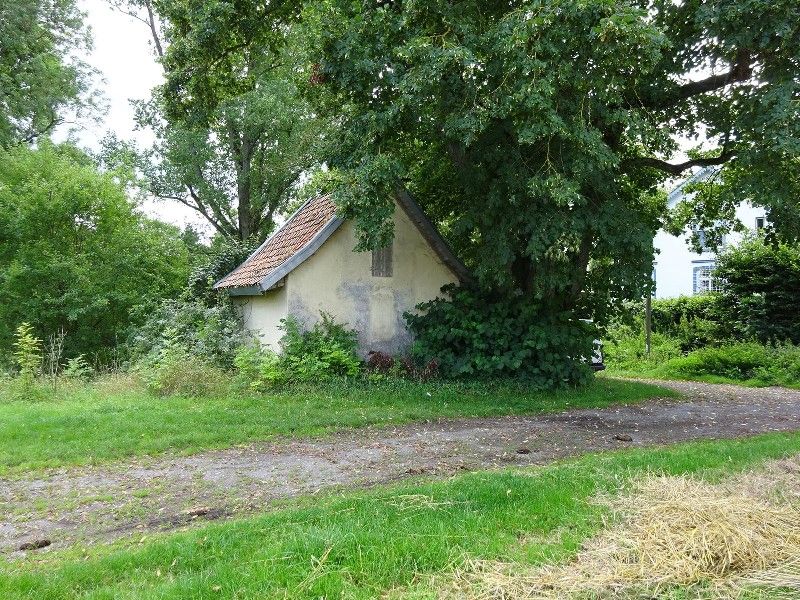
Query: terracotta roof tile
x=283, y=244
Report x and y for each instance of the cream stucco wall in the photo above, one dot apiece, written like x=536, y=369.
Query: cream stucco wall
x=339, y=281
x=261, y=315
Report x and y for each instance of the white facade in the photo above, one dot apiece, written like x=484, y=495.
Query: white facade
x=678, y=270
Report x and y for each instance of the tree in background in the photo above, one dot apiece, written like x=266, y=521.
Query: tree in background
x=234, y=136
x=538, y=133
x=75, y=253
x=40, y=77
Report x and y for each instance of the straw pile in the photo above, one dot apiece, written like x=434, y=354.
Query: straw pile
x=711, y=540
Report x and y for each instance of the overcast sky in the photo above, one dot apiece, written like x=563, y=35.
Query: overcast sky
x=125, y=60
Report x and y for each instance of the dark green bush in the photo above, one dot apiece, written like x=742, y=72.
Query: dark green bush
x=761, y=290
x=477, y=334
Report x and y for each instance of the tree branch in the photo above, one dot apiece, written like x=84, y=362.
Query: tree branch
x=677, y=169
x=739, y=71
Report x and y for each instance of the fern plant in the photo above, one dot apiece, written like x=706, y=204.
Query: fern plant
x=27, y=352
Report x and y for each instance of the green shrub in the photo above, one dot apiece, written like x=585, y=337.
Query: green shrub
x=739, y=361
x=212, y=333
x=695, y=321
x=27, y=352
x=477, y=334
x=176, y=371
x=760, y=284
x=327, y=350
x=742, y=361
x=78, y=368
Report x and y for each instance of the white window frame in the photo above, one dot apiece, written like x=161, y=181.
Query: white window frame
x=702, y=279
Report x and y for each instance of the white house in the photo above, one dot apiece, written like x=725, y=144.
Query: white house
x=679, y=270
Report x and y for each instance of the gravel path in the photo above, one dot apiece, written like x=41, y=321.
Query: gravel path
x=136, y=497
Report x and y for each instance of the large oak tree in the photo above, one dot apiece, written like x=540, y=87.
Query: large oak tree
x=538, y=133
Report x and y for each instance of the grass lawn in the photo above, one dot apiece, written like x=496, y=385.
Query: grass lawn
x=359, y=545
x=114, y=419
x=667, y=375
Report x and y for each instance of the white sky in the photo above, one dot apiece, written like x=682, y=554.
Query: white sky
x=126, y=62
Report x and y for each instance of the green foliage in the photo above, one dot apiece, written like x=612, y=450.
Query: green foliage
x=694, y=321
x=727, y=360
x=211, y=333
x=224, y=255
x=173, y=370
x=534, y=131
x=327, y=350
x=760, y=290
x=743, y=361
x=27, y=352
x=27, y=359
x=233, y=134
x=477, y=335
x=40, y=74
x=78, y=368
x=624, y=350
x=75, y=253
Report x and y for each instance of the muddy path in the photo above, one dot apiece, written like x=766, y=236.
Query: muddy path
x=136, y=497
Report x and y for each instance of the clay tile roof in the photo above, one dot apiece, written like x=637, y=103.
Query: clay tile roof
x=292, y=237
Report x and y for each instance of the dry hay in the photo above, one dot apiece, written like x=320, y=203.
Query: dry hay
x=712, y=540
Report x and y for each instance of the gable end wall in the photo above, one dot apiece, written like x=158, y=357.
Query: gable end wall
x=339, y=281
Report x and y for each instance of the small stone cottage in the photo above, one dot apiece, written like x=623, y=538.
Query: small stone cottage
x=309, y=265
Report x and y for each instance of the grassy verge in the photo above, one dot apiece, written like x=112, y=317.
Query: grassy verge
x=116, y=419
x=742, y=363
x=362, y=544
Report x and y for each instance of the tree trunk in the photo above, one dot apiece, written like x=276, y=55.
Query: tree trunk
x=242, y=150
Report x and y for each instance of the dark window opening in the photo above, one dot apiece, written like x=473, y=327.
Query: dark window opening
x=382, y=262
x=760, y=223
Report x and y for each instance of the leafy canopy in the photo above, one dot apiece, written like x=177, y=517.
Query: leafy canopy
x=233, y=134
x=539, y=132
x=40, y=76
x=75, y=254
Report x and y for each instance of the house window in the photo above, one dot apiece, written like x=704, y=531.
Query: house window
x=704, y=280
x=760, y=223
x=382, y=261
x=701, y=237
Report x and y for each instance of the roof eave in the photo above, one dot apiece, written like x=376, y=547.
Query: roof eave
x=217, y=285
x=276, y=275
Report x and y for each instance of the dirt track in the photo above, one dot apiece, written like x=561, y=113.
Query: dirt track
x=135, y=497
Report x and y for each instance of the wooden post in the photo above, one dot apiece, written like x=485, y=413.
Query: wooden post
x=648, y=322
